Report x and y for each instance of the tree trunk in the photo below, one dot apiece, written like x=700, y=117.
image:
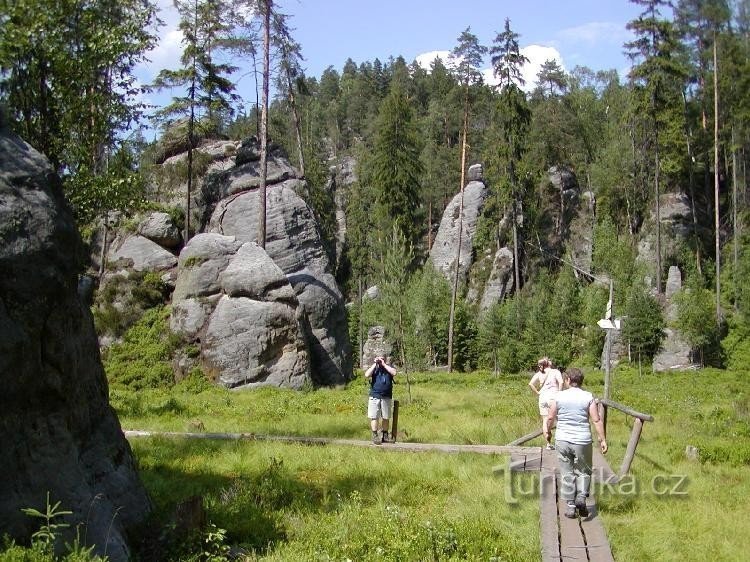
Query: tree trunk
x=361, y=326
x=297, y=130
x=716, y=186
x=451, y=320
x=735, y=226
x=264, y=122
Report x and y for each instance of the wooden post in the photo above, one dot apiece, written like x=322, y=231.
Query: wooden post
x=635, y=435
x=394, y=421
x=603, y=416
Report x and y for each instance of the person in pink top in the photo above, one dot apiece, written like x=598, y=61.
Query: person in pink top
x=546, y=383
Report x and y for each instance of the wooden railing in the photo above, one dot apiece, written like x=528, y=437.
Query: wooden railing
x=635, y=434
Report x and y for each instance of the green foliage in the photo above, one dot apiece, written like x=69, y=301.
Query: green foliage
x=736, y=344
x=142, y=359
x=696, y=316
x=122, y=300
x=50, y=529
x=393, y=169
x=644, y=323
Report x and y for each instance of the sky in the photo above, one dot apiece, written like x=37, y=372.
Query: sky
x=574, y=32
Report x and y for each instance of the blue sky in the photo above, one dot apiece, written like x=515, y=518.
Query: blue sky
x=575, y=32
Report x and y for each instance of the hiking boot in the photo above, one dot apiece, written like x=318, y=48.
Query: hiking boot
x=386, y=437
x=570, y=511
x=376, y=438
x=583, y=510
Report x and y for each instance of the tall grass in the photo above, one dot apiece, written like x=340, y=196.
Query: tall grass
x=294, y=502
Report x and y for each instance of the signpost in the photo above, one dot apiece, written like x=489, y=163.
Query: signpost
x=609, y=324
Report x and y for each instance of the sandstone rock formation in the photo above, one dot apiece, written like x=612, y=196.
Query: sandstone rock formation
x=238, y=305
x=676, y=224
x=58, y=433
x=443, y=251
x=675, y=353
x=160, y=228
x=375, y=346
x=293, y=243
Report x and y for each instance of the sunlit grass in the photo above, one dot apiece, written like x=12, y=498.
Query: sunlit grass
x=294, y=502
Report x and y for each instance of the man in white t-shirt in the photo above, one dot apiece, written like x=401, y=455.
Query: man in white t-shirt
x=574, y=408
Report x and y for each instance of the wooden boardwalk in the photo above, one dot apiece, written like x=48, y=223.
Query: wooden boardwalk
x=561, y=538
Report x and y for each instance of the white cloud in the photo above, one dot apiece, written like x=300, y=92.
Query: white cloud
x=537, y=55
x=425, y=60
x=596, y=32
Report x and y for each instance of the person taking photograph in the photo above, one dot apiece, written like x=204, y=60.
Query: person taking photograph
x=380, y=401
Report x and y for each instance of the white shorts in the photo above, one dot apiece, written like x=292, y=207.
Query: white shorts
x=379, y=407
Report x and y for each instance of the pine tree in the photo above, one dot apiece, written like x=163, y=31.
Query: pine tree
x=468, y=55
x=394, y=169
x=209, y=92
x=656, y=81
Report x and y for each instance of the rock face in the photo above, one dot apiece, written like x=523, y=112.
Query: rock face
x=675, y=353
x=58, y=433
x=375, y=346
x=293, y=243
x=233, y=299
x=500, y=282
x=443, y=252
x=141, y=254
x=675, y=215
x=160, y=228
x=342, y=176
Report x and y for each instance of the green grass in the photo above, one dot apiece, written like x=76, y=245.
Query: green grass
x=295, y=502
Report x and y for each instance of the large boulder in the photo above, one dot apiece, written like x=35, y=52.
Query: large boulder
x=58, y=433
x=238, y=305
x=141, y=254
x=161, y=229
x=500, y=282
x=293, y=242
x=445, y=246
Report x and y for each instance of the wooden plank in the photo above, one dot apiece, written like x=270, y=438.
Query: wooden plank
x=407, y=447
x=517, y=463
x=548, y=529
x=572, y=542
x=597, y=545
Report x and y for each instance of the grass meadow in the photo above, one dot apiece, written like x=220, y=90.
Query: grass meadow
x=276, y=501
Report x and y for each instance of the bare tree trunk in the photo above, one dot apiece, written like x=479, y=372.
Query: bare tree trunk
x=264, y=122
x=429, y=226
x=361, y=327
x=691, y=186
x=191, y=134
x=658, y=221
x=451, y=320
x=297, y=130
x=716, y=186
x=735, y=225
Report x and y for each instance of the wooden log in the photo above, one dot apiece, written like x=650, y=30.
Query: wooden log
x=625, y=409
x=635, y=436
x=527, y=437
x=410, y=447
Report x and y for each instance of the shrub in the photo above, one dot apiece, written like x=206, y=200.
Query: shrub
x=142, y=359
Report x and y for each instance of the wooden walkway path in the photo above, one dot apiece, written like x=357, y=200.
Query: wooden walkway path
x=561, y=538
x=566, y=539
